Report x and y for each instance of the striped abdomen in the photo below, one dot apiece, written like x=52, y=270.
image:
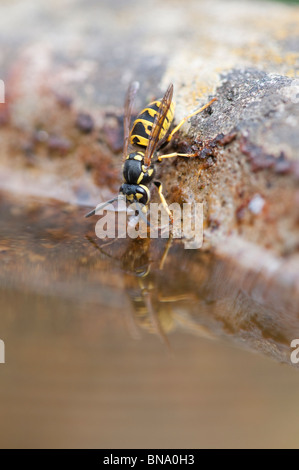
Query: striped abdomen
x=143, y=124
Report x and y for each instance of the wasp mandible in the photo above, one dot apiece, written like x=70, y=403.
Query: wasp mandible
x=150, y=131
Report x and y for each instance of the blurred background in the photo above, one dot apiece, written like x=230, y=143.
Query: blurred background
x=104, y=346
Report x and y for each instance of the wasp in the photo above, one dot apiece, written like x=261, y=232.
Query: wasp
x=150, y=131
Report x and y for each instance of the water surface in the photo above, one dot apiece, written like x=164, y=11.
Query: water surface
x=107, y=348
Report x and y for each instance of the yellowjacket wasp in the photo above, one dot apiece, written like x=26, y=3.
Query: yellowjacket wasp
x=149, y=133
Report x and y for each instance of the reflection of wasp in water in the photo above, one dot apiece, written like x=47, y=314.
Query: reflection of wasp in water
x=153, y=307
x=150, y=131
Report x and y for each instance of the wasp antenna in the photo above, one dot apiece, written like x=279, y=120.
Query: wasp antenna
x=100, y=207
x=135, y=85
x=90, y=213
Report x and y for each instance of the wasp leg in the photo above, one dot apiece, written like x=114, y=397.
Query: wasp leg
x=163, y=200
x=154, y=318
x=175, y=154
x=188, y=117
x=169, y=243
x=100, y=248
x=177, y=298
x=142, y=212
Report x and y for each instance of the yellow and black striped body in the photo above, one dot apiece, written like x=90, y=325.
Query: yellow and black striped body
x=144, y=122
x=135, y=172
x=137, y=177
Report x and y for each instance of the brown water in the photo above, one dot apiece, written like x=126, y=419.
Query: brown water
x=98, y=355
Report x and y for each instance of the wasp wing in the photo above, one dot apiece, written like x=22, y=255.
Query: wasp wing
x=157, y=125
x=130, y=96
